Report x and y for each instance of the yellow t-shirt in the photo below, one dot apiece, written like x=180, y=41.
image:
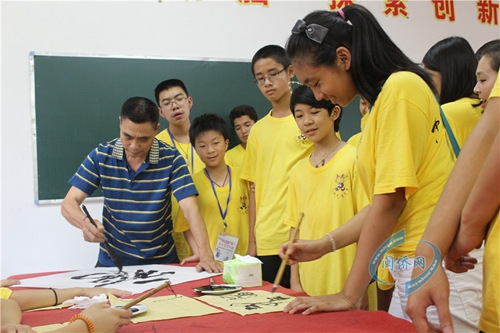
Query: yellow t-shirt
x=354, y=140
x=462, y=116
x=194, y=164
x=5, y=293
x=274, y=146
x=404, y=145
x=237, y=211
x=234, y=156
x=328, y=196
x=490, y=313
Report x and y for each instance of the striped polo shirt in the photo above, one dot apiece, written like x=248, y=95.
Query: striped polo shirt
x=137, y=205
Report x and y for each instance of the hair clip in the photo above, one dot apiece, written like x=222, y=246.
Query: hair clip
x=314, y=32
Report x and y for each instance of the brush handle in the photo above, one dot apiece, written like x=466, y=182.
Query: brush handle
x=281, y=270
x=146, y=295
x=116, y=259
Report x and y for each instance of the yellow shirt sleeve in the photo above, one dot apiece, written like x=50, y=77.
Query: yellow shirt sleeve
x=6, y=292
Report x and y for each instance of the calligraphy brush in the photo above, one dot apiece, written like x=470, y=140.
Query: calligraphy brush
x=281, y=270
x=146, y=295
x=116, y=259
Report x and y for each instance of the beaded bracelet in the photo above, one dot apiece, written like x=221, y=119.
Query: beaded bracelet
x=55, y=295
x=85, y=319
x=334, y=246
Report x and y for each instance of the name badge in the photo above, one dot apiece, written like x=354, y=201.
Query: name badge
x=225, y=247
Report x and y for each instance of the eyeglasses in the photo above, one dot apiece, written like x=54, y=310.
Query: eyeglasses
x=169, y=103
x=260, y=81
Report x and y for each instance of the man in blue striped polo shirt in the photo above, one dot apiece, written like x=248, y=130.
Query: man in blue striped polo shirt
x=137, y=175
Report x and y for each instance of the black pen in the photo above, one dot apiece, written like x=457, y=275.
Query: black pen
x=110, y=250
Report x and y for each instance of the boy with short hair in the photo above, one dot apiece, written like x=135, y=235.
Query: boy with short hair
x=275, y=144
x=174, y=104
x=243, y=117
x=223, y=196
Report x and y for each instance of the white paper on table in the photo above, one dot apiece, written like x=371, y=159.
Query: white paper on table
x=136, y=279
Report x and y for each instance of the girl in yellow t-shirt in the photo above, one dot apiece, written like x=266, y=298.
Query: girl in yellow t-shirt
x=325, y=187
x=403, y=155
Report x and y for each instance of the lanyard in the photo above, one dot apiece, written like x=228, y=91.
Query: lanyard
x=222, y=214
x=192, y=149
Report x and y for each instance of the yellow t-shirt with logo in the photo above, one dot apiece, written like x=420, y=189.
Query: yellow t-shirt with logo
x=404, y=145
x=328, y=196
x=237, y=211
x=490, y=313
x=462, y=115
x=274, y=146
x=194, y=164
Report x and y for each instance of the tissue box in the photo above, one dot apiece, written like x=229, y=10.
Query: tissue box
x=245, y=271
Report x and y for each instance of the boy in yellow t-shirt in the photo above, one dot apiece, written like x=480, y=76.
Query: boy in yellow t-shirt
x=243, y=117
x=275, y=144
x=174, y=104
x=223, y=196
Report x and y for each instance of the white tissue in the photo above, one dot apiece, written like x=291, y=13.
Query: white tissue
x=83, y=302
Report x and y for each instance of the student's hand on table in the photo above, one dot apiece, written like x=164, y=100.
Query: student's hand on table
x=17, y=328
x=107, y=319
x=304, y=250
x=91, y=292
x=93, y=234
x=209, y=265
x=193, y=258
x=308, y=305
x=433, y=292
x=9, y=282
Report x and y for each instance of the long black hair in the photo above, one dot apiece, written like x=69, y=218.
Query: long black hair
x=454, y=59
x=374, y=55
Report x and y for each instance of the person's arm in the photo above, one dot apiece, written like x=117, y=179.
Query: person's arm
x=378, y=226
x=39, y=298
x=9, y=282
x=307, y=250
x=11, y=317
x=443, y=223
x=252, y=244
x=70, y=209
x=189, y=207
x=481, y=207
x=188, y=235
x=103, y=318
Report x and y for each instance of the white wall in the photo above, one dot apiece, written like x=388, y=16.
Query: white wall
x=37, y=238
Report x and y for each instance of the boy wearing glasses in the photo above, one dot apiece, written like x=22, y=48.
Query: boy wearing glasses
x=275, y=144
x=174, y=104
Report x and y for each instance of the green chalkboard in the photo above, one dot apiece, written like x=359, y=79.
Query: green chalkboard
x=77, y=100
